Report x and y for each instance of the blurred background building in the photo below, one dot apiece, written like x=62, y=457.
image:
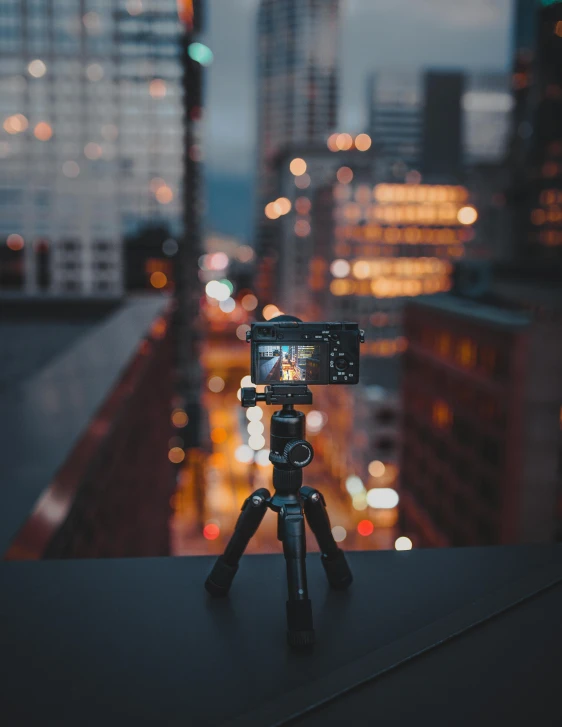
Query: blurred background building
x=90, y=143
x=297, y=97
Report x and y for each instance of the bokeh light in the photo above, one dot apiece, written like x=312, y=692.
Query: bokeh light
x=303, y=181
x=344, y=175
x=15, y=242
x=254, y=413
x=179, y=418
x=244, y=454
x=297, y=166
x=363, y=142
x=340, y=268
x=157, y=88
x=242, y=330
x=339, y=533
x=246, y=381
x=176, y=455
x=43, y=131
x=217, y=290
x=37, y=68
x=271, y=211
x=164, y=194
x=256, y=441
x=219, y=435
x=216, y=384
x=262, y=458
x=211, y=531
x=365, y=527
x=354, y=485
x=249, y=302
x=344, y=142
x=467, y=215
x=158, y=280
x=283, y=205
x=217, y=261
x=384, y=498
x=302, y=228
x=403, y=543
x=270, y=311
x=303, y=205
x=376, y=468
x=315, y=421
x=255, y=427
x=228, y=305
x=359, y=501
x=15, y=124
x=332, y=142
x=200, y=53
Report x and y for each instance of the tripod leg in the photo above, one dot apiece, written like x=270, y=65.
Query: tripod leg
x=220, y=578
x=333, y=558
x=299, y=609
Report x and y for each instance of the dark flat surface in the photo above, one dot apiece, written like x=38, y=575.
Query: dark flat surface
x=505, y=672
x=135, y=642
x=43, y=417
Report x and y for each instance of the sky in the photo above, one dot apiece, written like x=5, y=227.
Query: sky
x=375, y=34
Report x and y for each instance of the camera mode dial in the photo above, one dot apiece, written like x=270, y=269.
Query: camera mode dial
x=298, y=453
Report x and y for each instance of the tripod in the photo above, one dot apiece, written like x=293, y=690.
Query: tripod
x=289, y=453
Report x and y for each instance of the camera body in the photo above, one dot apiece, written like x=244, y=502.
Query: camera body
x=291, y=352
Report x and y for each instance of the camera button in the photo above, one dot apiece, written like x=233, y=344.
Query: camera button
x=341, y=364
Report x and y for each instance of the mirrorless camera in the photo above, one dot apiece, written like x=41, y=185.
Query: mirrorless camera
x=291, y=352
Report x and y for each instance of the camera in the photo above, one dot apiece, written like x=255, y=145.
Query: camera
x=290, y=352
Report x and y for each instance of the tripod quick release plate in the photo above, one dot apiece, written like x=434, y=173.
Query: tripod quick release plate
x=276, y=394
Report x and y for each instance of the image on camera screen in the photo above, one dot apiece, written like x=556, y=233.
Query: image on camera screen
x=288, y=363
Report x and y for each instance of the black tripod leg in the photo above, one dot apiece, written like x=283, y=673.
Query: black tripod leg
x=220, y=578
x=333, y=558
x=299, y=609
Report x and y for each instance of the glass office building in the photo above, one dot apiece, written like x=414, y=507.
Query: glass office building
x=90, y=137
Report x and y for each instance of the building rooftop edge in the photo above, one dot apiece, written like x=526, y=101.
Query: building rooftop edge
x=473, y=310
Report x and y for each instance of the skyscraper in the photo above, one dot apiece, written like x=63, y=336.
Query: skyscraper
x=395, y=106
x=297, y=94
x=91, y=114
x=442, y=153
x=486, y=107
x=536, y=146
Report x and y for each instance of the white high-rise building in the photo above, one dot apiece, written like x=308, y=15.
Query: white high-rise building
x=487, y=104
x=297, y=92
x=90, y=135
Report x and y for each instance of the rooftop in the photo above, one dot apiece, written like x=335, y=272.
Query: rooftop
x=470, y=309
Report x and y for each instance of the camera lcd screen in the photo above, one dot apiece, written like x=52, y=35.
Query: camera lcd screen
x=294, y=362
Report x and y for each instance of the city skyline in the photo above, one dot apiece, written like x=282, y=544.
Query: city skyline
x=437, y=34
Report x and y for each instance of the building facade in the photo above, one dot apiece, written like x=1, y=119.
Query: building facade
x=91, y=138
x=395, y=111
x=481, y=402
x=536, y=144
x=297, y=98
